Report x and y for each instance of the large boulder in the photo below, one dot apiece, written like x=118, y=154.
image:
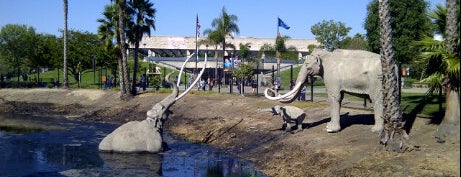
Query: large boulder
x=134, y=136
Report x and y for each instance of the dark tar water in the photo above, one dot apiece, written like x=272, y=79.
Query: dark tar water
x=60, y=147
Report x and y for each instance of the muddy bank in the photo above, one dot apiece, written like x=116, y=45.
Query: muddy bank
x=234, y=122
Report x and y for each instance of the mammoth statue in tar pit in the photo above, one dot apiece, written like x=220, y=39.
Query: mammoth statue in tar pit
x=352, y=71
x=146, y=135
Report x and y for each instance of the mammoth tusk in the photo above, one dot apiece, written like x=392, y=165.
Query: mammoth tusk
x=290, y=93
x=182, y=67
x=196, y=79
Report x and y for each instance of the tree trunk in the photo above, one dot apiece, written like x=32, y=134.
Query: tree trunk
x=65, y=78
x=393, y=136
x=452, y=27
x=121, y=30
x=135, y=68
x=449, y=127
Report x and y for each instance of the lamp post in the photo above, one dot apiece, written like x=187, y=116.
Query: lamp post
x=231, y=84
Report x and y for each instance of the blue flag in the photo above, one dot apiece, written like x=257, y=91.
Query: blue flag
x=283, y=25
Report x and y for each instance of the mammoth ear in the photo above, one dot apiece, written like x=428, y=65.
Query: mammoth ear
x=317, y=59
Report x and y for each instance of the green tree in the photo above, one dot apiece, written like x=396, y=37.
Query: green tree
x=17, y=45
x=267, y=50
x=244, y=51
x=311, y=48
x=280, y=46
x=330, y=33
x=358, y=42
x=408, y=22
x=394, y=136
x=242, y=72
x=442, y=71
x=113, y=26
x=107, y=32
x=108, y=24
x=226, y=26
x=46, y=53
x=83, y=46
x=449, y=127
x=142, y=20
x=213, y=39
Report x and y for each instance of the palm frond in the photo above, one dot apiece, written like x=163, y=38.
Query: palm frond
x=434, y=81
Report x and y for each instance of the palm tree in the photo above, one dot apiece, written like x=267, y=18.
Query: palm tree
x=143, y=16
x=213, y=39
x=449, y=127
x=245, y=51
x=393, y=136
x=108, y=30
x=442, y=72
x=225, y=26
x=65, y=80
x=123, y=68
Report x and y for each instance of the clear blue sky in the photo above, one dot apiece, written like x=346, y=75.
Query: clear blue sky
x=177, y=17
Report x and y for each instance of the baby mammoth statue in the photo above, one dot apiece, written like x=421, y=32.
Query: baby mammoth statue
x=290, y=114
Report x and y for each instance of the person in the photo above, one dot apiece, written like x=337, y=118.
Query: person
x=112, y=81
x=302, y=94
x=210, y=84
x=203, y=84
x=108, y=82
x=239, y=85
x=254, y=85
x=292, y=84
x=277, y=84
x=56, y=83
x=189, y=82
x=143, y=81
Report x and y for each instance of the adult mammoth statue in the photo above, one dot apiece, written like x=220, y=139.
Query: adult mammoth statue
x=352, y=71
x=146, y=135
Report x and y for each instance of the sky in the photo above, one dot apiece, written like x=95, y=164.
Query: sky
x=256, y=18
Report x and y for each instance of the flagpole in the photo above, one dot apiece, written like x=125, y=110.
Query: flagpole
x=277, y=26
x=196, y=46
x=278, y=59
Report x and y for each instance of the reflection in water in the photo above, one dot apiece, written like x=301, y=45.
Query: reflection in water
x=69, y=148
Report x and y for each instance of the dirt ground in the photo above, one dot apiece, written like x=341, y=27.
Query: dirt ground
x=236, y=123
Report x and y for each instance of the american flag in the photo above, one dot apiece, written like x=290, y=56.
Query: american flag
x=198, y=28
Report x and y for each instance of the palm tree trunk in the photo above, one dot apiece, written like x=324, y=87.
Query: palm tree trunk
x=121, y=30
x=452, y=27
x=135, y=68
x=65, y=78
x=449, y=127
x=394, y=136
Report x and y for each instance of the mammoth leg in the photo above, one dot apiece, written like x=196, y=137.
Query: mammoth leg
x=299, y=123
x=286, y=125
x=335, y=106
x=378, y=113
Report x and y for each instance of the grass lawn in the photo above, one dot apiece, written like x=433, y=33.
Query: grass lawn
x=418, y=103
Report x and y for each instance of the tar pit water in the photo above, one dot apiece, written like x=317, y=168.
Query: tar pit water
x=44, y=146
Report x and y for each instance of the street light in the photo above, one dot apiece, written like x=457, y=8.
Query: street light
x=232, y=72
